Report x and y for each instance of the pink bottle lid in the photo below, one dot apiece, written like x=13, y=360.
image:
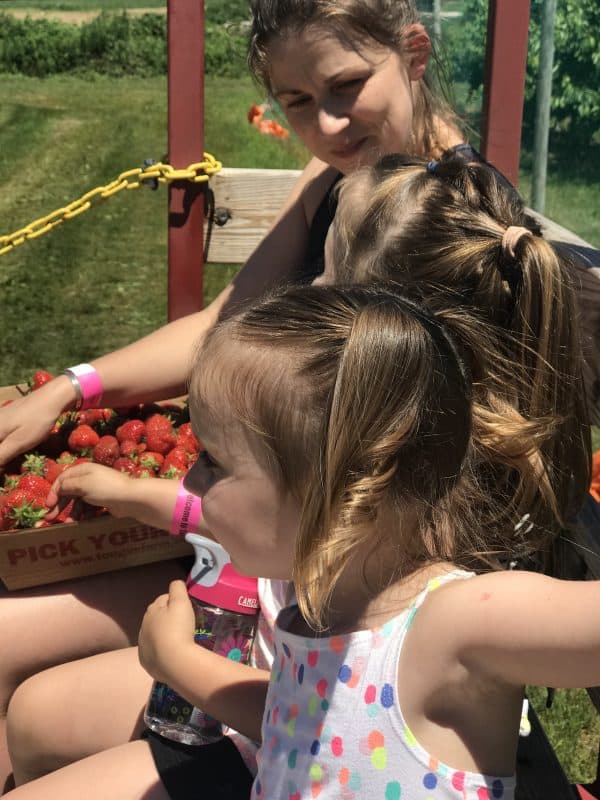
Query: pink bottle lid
x=213, y=579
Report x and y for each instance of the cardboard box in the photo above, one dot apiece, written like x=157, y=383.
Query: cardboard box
x=36, y=556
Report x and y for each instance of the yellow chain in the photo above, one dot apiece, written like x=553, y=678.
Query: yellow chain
x=130, y=179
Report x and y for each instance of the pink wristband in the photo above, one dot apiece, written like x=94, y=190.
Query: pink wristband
x=90, y=385
x=187, y=512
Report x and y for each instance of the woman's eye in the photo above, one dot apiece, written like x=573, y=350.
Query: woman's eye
x=298, y=103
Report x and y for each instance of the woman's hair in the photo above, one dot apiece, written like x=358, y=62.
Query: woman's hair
x=358, y=401
x=357, y=23
x=440, y=230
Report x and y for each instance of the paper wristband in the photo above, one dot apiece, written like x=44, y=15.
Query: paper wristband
x=90, y=384
x=187, y=512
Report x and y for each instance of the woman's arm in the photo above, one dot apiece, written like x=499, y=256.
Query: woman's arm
x=230, y=692
x=156, y=366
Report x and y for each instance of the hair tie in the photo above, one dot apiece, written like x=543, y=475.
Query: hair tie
x=511, y=237
x=432, y=166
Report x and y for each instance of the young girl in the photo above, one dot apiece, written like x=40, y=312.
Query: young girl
x=458, y=232
x=337, y=421
x=403, y=251
x=350, y=78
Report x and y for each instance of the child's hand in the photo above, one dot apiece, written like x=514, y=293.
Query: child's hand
x=167, y=631
x=95, y=484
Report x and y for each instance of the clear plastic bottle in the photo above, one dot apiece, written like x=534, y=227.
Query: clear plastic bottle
x=226, y=607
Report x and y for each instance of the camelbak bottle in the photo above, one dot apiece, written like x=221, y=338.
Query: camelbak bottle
x=226, y=607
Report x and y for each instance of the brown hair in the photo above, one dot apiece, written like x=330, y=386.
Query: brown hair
x=357, y=22
x=439, y=229
x=358, y=401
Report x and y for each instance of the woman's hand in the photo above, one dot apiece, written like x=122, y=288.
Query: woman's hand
x=28, y=420
x=167, y=633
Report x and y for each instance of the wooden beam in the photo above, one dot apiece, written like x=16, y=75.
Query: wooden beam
x=247, y=201
x=186, y=146
x=504, y=84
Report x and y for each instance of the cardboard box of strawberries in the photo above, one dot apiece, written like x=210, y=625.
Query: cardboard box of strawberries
x=153, y=439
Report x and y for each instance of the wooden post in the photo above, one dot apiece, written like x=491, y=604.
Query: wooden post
x=504, y=84
x=185, y=19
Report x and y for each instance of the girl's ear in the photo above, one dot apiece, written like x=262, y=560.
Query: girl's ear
x=417, y=46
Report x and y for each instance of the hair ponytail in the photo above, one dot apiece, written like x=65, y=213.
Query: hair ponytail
x=439, y=229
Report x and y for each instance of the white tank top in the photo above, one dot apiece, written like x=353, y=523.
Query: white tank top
x=333, y=727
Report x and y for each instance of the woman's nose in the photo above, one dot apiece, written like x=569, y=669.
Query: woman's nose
x=332, y=123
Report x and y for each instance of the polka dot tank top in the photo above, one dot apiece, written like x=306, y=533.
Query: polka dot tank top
x=333, y=727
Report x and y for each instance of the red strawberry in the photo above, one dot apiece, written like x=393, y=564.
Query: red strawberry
x=45, y=466
x=176, y=463
x=83, y=439
x=151, y=460
x=124, y=464
x=106, y=451
x=66, y=513
x=38, y=379
x=36, y=487
x=21, y=511
x=94, y=416
x=141, y=472
x=187, y=439
x=131, y=449
x=133, y=430
x=66, y=459
x=160, y=436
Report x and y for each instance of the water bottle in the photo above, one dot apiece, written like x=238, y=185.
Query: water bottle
x=226, y=608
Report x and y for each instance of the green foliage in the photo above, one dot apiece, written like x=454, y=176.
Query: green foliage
x=576, y=77
x=114, y=44
x=221, y=12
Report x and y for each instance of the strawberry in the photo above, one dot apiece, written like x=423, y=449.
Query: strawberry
x=94, y=416
x=160, y=436
x=124, y=464
x=38, y=379
x=45, y=466
x=66, y=459
x=187, y=439
x=37, y=488
x=131, y=449
x=133, y=430
x=83, y=439
x=176, y=463
x=151, y=460
x=106, y=451
x=21, y=511
x=66, y=513
x=141, y=472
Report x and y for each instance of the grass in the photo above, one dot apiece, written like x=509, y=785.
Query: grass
x=98, y=282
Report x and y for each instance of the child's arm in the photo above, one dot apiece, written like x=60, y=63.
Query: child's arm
x=231, y=692
x=149, y=500
x=521, y=628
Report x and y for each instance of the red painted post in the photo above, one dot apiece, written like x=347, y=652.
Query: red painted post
x=185, y=20
x=504, y=84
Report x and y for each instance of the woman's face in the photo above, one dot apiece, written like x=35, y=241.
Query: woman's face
x=348, y=106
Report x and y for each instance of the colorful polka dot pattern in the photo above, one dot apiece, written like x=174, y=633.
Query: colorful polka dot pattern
x=331, y=727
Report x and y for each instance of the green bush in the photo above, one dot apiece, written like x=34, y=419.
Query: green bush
x=113, y=44
x=576, y=78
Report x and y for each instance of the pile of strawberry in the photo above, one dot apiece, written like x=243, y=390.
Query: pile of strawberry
x=146, y=440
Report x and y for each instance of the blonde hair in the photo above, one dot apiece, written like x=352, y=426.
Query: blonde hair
x=382, y=23
x=439, y=230
x=358, y=402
